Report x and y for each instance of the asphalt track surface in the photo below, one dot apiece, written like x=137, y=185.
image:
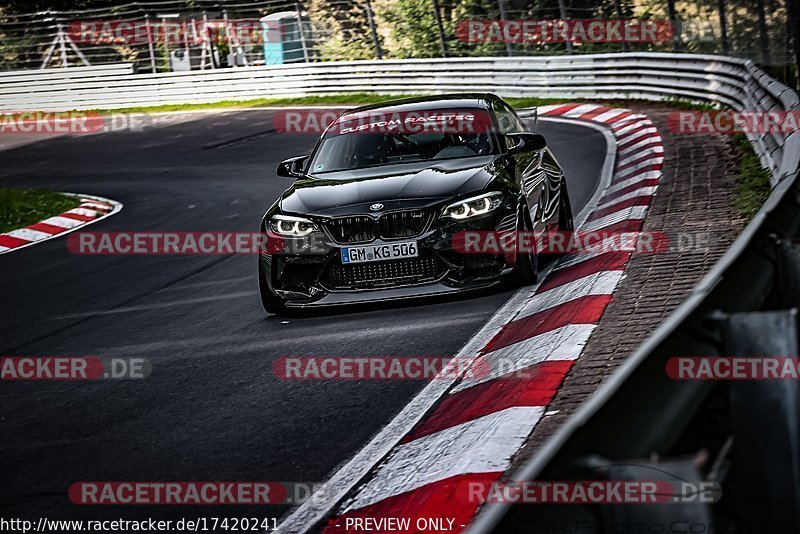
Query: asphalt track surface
x=211, y=410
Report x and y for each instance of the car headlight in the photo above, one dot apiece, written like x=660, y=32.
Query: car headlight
x=289, y=226
x=473, y=207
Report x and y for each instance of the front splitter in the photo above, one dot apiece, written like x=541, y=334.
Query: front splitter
x=432, y=289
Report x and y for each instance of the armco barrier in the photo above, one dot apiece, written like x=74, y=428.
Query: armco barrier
x=729, y=82
x=741, y=435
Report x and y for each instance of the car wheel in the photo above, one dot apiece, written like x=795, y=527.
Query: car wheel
x=526, y=265
x=272, y=304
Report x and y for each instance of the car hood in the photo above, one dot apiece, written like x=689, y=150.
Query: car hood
x=412, y=185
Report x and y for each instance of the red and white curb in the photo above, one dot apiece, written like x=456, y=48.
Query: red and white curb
x=478, y=425
x=91, y=210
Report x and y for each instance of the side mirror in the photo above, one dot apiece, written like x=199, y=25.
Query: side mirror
x=292, y=167
x=526, y=142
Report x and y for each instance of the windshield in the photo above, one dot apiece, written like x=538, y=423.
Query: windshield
x=370, y=140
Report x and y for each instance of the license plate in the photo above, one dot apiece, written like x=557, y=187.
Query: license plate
x=382, y=252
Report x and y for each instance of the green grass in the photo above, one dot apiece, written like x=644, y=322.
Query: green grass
x=356, y=99
x=21, y=207
x=522, y=103
x=752, y=184
x=683, y=104
x=344, y=99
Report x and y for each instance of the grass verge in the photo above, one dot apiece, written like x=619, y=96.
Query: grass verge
x=752, y=184
x=21, y=207
x=332, y=100
x=354, y=99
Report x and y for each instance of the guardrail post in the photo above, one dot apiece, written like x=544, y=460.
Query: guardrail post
x=765, y=420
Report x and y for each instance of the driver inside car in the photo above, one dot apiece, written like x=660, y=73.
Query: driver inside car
x=372, y=149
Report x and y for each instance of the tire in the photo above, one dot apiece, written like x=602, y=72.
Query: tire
x=566, y=223
x=565, y=220
x=526, y=265
x=273, y=305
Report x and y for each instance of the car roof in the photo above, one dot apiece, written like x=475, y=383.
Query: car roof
x=447, y=101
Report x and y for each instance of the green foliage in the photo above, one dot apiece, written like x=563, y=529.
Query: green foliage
x=342, y=99
x=330, y=100
x=684, y=104
x=21, y=207
x=413, y=28
x=343, y=31
x=532, y=102
x=752, y=184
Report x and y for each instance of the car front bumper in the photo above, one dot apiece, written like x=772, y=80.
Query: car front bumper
x=303, y=276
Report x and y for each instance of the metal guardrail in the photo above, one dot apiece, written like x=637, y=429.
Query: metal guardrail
x=729, y=82
x=743, y=435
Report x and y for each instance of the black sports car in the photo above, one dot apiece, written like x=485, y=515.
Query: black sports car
x=375, y=207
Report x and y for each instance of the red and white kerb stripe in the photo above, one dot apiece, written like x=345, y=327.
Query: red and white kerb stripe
x=90, y=210
x=473, y=433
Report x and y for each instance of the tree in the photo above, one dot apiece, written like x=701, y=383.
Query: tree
x=413, y=28
x=342, y=30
